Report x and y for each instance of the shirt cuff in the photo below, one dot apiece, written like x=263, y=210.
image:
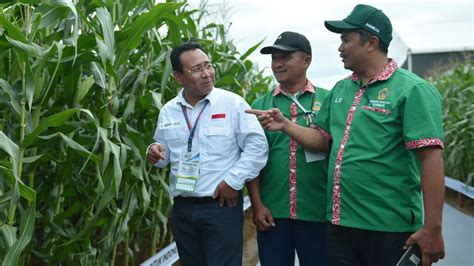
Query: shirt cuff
x=415, y=144
x=159, y=162
x=233, y=183
x=147, y=148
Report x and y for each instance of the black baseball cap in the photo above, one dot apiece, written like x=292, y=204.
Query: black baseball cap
x=289, y=41
x=364, y=17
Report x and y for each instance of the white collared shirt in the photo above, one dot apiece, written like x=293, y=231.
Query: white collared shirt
x=231, y=143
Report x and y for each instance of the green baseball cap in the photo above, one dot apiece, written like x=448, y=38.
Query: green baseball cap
x=364, y=17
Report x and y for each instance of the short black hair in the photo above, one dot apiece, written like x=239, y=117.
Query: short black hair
x=178, y=50
x=365, y=36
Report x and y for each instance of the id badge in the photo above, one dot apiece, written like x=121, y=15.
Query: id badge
x=188, y=172
x=313, y=156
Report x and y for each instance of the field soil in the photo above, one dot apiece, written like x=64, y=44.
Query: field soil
x=250, y=256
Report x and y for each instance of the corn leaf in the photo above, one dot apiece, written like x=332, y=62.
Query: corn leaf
x=26, y=233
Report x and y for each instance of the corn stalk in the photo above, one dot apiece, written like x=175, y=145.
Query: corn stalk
x=456, y=84
x=81, y=86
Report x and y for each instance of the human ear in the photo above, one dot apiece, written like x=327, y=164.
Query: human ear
x=373, y=43
x=307, y=60
x=178, y=77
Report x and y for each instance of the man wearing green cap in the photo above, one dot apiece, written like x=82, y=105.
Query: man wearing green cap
x=289, y=196
x=383, y=124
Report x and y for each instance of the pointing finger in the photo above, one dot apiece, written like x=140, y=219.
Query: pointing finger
x=254, y=112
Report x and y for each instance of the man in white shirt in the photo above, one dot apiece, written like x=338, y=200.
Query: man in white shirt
x=214, y=147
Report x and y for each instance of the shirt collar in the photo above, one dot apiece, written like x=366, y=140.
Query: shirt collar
x=307, y=88
x=211, y=97
x=385, y=73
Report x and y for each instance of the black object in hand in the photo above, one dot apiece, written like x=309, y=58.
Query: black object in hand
x=411, y=257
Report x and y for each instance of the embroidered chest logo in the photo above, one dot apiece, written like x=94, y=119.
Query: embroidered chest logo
x=383, y=100
x=383, y=94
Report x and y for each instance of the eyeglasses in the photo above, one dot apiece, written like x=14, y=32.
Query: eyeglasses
x=196, y=71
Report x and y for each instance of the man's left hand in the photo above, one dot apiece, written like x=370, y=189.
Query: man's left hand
x=226, y=195
x=430, y=242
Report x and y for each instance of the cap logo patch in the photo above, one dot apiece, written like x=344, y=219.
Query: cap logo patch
x=372, y=27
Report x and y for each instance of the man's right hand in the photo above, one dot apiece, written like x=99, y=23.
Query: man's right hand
x=262, y=217
x=431, y=244
x=271, y=119
x=155, y=153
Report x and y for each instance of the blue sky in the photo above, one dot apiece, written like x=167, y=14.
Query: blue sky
x=420, y=25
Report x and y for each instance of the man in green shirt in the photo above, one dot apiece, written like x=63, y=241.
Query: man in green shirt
x=383, y=124
x=289, y=196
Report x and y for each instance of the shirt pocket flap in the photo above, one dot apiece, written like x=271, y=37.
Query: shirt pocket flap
x=217, y=131
x=377, y=110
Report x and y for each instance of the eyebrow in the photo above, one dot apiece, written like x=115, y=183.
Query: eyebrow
x=200, y=64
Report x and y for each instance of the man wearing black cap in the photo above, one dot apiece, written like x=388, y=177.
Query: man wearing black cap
x=289, y=197
x=385, y=130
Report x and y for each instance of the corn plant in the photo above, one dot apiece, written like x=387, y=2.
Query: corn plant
x=81, y=86
x=456, y=85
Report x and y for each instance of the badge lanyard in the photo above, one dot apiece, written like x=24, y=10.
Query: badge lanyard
x=192, y=128
x=308, y=114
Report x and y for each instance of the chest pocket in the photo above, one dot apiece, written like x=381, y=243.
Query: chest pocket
x=379, y=119
x=175, y=138
x=219, y=138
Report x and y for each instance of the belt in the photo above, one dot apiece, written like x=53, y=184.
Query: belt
x=195, y=200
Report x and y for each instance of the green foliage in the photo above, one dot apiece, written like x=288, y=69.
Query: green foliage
x=81, y=86
x=456, y=85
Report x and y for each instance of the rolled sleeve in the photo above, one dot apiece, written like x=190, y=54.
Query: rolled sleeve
x=253, y=143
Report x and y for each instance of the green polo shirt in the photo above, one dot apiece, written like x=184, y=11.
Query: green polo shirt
x=374, y=174
x=311, y=178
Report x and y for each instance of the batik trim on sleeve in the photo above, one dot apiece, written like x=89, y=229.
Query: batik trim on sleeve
x=415, y=144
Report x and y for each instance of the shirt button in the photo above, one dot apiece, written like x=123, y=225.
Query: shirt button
x=353, y=108
x=348, y=127
x=338, y=166
x=342, y=146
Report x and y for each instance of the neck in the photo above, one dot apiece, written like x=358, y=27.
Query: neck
x=192, y=99
x=294, y=87
x=371, y=70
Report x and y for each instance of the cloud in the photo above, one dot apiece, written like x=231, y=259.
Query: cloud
x=421, y=25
